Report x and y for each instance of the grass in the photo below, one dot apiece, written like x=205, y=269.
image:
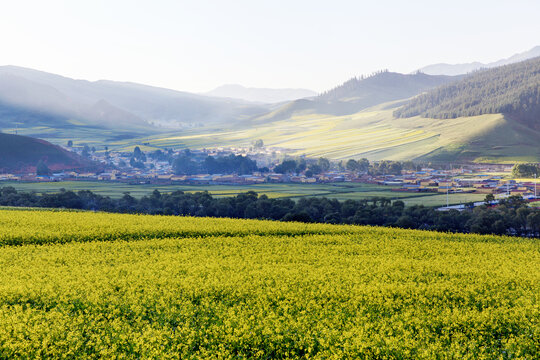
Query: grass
x=376, y=134
x=340, y=191
x=117, y=189
x=440, y=199
x=373, y=133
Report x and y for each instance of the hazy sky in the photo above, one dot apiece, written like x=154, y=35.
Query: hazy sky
x=198, y=45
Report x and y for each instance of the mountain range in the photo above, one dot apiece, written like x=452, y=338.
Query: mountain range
x=260, y=95
x=460, y=69
x=358, y=94
x=108, y=104
x=488, y=115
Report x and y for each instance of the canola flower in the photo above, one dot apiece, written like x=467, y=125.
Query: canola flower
x=94, y=285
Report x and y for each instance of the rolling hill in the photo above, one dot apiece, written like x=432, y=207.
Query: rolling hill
x=358, y=94
x=513, y=90
x=488, y=116
x=41, y=101
x=376, y=134
x=22, y=153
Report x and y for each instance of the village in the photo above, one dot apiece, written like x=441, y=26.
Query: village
x=470, y=178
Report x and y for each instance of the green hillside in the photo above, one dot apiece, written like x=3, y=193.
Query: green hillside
x=358, y=94
x=513, y=90
x=139, y=287
x=488, y=116
x=376, y=134
x=19, y=153
x=43, y=105
x=319, y=128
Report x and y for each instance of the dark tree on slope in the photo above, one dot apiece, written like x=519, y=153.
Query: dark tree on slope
x=138, y=154
x=229, y=165
x=42, y=169
x=86, y=151
x=136, y=164
x=525, y=170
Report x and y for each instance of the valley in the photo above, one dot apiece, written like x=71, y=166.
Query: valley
x=384, y=116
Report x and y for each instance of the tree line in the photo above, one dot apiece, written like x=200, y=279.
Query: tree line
x=311, y=167
x=511, y=217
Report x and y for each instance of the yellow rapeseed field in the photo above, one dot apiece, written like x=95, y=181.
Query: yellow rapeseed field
x=95, y=285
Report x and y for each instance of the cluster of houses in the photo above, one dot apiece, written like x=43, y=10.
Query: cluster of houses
x=455, y=181
x=263, y=157
x=159, y=177
x=472, y=179
x=427, y=180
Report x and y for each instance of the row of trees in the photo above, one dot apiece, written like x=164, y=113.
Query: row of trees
x=384, y=167
x=511, y=217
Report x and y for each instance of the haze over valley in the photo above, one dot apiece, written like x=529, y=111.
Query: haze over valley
x=369, y=116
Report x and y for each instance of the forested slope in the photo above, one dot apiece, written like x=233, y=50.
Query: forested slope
x=513, y=90
x=357, y=94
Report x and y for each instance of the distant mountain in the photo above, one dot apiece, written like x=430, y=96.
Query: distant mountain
x=22, y=153
x=458, y=69
x=357, y=94
x=513, y=90
x=260, y=95
x=109, y=104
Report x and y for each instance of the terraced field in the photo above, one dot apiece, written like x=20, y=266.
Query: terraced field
x=94, y=285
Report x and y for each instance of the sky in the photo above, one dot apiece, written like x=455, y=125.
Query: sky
x=201, y=44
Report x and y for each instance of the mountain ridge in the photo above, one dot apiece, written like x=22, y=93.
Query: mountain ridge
x=260, y=95
x=513, y=90
x=357, y=94
x=465, y=68
x=129, y=105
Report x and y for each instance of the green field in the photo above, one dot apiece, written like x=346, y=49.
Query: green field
x=340, y=191
x=440, y=199
x=96, y=285
x=373, y=133
x=117, y=189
